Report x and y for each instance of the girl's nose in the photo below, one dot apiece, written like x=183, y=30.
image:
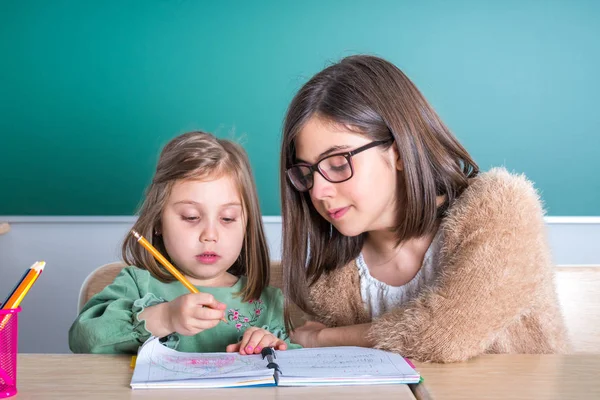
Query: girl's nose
x=322, y=188
x=209, y=233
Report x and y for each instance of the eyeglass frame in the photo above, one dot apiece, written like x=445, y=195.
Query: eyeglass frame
x=347, y=155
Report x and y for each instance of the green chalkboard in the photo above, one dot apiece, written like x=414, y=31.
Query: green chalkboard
x=91, y=90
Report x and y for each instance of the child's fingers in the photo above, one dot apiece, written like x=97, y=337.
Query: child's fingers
x=217, y=305
x=205, y=313
x=268, y=340
x=193, y=326
x=280, y=345
x=271, y=341
x=206, y=323
x=207, y=300
x=233, y=348
x=254, y=338
x=246, y=337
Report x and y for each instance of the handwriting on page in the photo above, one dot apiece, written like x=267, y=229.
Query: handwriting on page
x=340, y=361
x=358, y=364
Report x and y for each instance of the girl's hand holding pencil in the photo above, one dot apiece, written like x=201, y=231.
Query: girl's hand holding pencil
x=187, y=315
x=194, y=312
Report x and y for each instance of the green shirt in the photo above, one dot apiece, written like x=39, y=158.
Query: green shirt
x=109, y=321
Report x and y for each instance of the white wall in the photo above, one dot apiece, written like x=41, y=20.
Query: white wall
x=75, y=246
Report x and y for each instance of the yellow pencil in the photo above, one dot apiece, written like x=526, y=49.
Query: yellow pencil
x=169, y=267
x=19, y=293
x=23, y=287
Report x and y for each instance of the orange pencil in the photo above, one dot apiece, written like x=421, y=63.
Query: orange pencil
x=27, y=281
x=168, y=266
x=19, y=293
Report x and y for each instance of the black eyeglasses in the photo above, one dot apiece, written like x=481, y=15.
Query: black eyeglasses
x=335, y=168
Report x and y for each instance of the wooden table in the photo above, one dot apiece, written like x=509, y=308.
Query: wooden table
x=69, y=376
x=512, y=377
x=84, y=376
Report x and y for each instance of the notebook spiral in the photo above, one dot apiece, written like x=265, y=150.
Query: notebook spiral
x=269, y=353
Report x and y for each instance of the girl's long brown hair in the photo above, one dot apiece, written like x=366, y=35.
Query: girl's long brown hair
x=373, y=97
x=199, y=155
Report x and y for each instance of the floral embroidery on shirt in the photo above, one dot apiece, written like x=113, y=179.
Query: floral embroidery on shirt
x=244, y=321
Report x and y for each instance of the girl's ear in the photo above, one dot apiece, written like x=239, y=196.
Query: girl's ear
x=157, y=231
x=396, y=157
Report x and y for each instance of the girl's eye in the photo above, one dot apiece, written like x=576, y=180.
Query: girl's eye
x=338, y=168
x=228, y=220
x=185, y=218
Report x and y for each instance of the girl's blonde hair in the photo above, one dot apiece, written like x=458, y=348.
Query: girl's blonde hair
x=199, y=155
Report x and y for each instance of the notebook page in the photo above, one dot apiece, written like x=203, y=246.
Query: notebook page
x=343, y=362
x=157, y=363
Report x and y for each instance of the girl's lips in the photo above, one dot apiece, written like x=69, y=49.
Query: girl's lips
x=338, y=213
x=208, y=258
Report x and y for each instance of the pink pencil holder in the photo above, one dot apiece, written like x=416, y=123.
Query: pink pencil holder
x=9, y=333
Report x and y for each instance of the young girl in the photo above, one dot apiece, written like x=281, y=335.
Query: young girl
x=201, y=211
x=393, y=239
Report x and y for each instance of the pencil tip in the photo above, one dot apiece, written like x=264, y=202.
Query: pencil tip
x=38, y=265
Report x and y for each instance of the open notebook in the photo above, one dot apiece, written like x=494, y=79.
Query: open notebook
x=160, y=367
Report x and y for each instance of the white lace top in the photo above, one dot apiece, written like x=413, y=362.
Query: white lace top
x=379, y=297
